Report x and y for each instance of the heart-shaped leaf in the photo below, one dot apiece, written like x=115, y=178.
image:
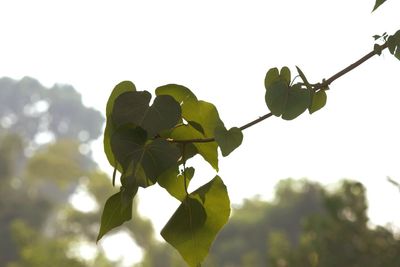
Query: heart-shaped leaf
x=133, y=107
x=122, y=87
x=130, y=148
x=283, y=99
x=197, y=221
x=114, y=214
x=202, y=117
x=228, y=140
x=318, y=101
x=298, y=100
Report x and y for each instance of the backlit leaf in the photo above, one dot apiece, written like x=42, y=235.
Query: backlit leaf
x=202, y=117
x=122, y=87
x=133, y=107
x=174, y=183
x=207, y=150
x=197, y=221
x=113, y=215
x=129, y=146
x=228, y=140
x=283, y=99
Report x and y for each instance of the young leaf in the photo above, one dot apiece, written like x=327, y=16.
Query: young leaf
x=318, y=101
x=194, y=226
x=303, y=77
x=378, y=3
x=113, y=215
x=174, y=183
x=133, y=107
x=122, y=87
x=228, y=140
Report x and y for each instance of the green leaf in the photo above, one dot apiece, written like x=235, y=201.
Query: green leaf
x=202, y=117
x=207, y=150
x=303, y=77
x=130, y=148
x=377, y=49
x=228, y=140
x=180, y=93
x=113, y=215
x=318, y=101
x=174, y=182
x=197, y=221
x=285, y=74
x=271, y=77
x=276, y=97
x=133, y=107
x=376, y=37
x=394, y=44
x=122, y=87
x=298, y=100
x=378, y=3
x=283, y=99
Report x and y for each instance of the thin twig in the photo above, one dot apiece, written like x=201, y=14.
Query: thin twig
x=318, y=86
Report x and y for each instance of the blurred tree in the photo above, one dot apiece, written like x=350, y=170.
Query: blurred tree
x=305, y=225
x=39, y=175
x=30, y=110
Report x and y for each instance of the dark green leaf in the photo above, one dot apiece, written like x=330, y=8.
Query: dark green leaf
x=298, y=100
x=376, y=37
x=131, y=149
x=378, y=3
x=113, y=215
x=122, y=87
x=195, y=224
x=276, y=97
x=377, y=49
x=271, y=77
x=228, y=140
x=133, y=107
x=394, y=44
x=303, y=77
x=283, y=99
x=285, y=74
x=318, y=101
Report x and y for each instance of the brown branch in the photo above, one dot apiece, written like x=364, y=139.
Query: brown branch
x=318, y=86
x=349, y=68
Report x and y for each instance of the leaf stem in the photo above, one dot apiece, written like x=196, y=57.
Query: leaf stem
x=316, y=87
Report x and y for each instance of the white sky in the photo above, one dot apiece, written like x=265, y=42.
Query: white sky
x=221, y=50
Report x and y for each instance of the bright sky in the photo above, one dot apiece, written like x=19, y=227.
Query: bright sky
x=221, y=50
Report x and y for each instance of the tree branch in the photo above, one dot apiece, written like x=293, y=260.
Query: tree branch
x=319, y=86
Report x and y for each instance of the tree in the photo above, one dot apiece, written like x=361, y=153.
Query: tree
x=38, y=224
x=151, y=144
x=304, y=225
